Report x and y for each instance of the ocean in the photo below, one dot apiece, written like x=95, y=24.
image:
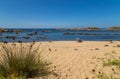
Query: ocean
x=29, y=35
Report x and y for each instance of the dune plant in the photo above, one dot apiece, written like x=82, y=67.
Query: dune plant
x=113, y=62
x=22, y=61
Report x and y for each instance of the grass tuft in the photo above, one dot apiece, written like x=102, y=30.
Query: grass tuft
x=113, y=62
x=22, y=61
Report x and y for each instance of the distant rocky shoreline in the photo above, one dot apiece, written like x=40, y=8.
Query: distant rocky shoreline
x=64, y=29
x=90, y=29
x=12, y=30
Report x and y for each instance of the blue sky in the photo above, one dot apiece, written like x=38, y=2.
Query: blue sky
x=59, y=13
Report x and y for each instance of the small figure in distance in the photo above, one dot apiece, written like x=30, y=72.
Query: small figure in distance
x=5, y=42
x=79, y=40
x=111, y=41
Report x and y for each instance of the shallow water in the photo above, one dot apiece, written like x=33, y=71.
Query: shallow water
x=60, y=35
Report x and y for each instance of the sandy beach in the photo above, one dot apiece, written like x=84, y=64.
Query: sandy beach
x=76, y=60
x=73, y=60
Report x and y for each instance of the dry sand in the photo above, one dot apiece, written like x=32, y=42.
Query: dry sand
x=73, y=60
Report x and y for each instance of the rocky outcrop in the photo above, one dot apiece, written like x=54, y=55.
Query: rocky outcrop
x=11, y=30
x=76, y=29
x=114, y=28
x=45, y=31
x=16, y=31
x=2, y=30
x=91, y=28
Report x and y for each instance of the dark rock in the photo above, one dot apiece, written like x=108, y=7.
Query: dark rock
x=87, y=78
x=46, y=31
x=26, y=37
x=80, y=41
x=111, y=41
x=118, y=45
x=69, y=33
x=55, y=49
x=97, y=49
x=99, y=72
x=20, y=41
x=5, y=42
x=76, y=49
x=93, y=70
x=11, y=37
x=30, y=34
x=91, y=49
x=106, y=45
x=49, y=49
x=50, y=41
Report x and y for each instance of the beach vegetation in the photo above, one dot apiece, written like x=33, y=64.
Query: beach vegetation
x=22, y=61
x=112, y=62
x=103, y=76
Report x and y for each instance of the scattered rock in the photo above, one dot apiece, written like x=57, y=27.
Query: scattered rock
x=20, y=41
x=54, y=66
x=93, y=70
x=91, y=49
x=5, y=42
x=69, y=33
x=111, y=41
x=99, y=72
x=26, y=37
x=87, y=78
x=30, y=34
x=97, y=49
x=80, y=41
x=11, y=37
x=106, y=45
x=45, y=31
x=66, y=75
x=55, y=49
x=113, y=69
x=118, y=45
x=49, y=49
x=68, y=69
x=76, y=49
x=50, y=41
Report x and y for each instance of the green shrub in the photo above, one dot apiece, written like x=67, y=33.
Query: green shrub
x=113, y=62
x=20, y=61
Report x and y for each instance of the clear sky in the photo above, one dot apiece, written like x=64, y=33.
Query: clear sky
x=59, y=13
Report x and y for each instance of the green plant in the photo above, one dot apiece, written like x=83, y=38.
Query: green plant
x=103, y=76
x=20, y=61
x=1, y=77
x=113, y=62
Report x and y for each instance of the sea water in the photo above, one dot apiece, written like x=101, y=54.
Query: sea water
x=28, y=35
